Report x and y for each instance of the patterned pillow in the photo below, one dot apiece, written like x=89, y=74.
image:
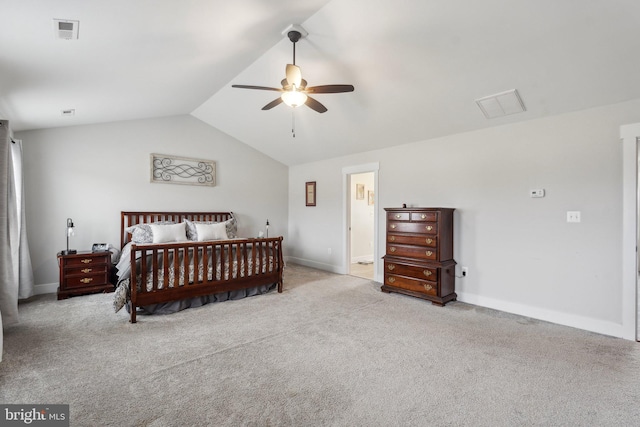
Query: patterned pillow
x=231, y=225
x=141, y=233
x=121, y=296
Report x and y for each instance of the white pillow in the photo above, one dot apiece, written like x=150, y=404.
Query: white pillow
x=168, y=233
x=215, y=231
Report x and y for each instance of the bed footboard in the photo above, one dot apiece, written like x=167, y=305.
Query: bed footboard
x=176, y=271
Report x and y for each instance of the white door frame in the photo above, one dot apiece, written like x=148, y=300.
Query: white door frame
x=346, y=214
x=630, y=135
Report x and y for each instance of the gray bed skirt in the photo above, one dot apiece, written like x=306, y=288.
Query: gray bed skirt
x=175, y=306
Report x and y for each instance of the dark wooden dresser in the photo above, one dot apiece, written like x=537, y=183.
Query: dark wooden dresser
x=419, y=256
x=84, y=273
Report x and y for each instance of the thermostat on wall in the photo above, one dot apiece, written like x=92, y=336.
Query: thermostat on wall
x=537, y=193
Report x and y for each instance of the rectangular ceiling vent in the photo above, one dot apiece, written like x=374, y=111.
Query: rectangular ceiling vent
x=64, y=29
x=501, y=104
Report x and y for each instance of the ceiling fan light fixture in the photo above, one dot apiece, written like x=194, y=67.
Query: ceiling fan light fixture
x=294, y=98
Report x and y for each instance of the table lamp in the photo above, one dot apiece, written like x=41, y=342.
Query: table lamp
x=70, y=232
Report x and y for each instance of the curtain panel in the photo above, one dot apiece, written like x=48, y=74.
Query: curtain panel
x=16, y=274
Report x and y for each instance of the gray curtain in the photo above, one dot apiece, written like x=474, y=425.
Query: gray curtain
x=16, y=274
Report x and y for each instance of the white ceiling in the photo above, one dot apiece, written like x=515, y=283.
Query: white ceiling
x=417, y=65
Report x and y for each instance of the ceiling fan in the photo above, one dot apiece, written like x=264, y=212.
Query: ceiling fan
x=295, y=91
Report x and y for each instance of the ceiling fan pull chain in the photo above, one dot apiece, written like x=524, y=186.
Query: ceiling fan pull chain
x=293, y=122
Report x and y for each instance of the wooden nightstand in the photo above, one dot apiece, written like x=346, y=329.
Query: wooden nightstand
x=84, y=273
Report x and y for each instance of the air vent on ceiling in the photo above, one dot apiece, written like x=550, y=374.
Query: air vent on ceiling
x=64, y=29
x=501, y=104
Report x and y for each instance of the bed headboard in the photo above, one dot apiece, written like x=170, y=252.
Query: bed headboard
x=128, y=219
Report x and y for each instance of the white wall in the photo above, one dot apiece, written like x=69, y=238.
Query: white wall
x=362, y=219
x=91, y=173
x=522, y=255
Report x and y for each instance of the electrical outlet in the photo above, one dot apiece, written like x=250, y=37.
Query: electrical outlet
x=573, y=216
x=465, y=271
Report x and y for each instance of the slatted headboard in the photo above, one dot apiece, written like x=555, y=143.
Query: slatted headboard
x=128, y=219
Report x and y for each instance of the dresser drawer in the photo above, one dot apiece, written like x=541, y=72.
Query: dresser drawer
x=430, y=241
x=412, y=252
x=398, y=216
x=425, y=273
x=412, y=227
x=424, y=216
x=410, y=284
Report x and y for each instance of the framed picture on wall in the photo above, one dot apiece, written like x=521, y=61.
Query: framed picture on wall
x=359, y=191
x=370, y=197
x=310, y=193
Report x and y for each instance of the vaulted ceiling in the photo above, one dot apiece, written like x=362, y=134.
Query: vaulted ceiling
x=417, y=65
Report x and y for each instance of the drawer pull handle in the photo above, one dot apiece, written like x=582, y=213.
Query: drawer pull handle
x=86, y=260
x=429, y=240
x=423, y=216
x=398, y=216
x=429, y=228
x=392, y=249
x=87, y=270
x=391, y=267
x=392, y=238
x=391, y=279
x=428, y=287
x=393, y=226
x=427, y=273
x=429, y=253
x=86, y=280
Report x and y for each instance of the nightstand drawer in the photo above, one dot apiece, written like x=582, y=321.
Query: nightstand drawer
x=87, y=260
x=93, y=269
x=85, y=280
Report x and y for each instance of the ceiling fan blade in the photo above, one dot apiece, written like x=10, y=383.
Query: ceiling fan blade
x=294, y=75
x=257, y=87
x=330, y=89
x=272, y=104
x=315, y=105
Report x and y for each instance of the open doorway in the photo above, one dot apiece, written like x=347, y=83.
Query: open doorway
x=361, y=212
x=362, y=215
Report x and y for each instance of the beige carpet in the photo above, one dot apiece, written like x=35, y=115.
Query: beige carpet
x=331, y=350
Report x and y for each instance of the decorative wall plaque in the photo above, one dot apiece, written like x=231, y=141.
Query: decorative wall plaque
x=169, y=169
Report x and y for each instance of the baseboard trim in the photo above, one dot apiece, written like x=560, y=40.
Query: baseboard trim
x=45, y=288
x=319, y=265
x=362, y=258
x=574, y=321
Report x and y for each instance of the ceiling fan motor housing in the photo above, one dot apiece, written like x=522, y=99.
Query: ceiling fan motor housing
x=294, y=35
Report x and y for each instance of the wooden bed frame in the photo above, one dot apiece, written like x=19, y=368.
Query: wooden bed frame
x=244, y=259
